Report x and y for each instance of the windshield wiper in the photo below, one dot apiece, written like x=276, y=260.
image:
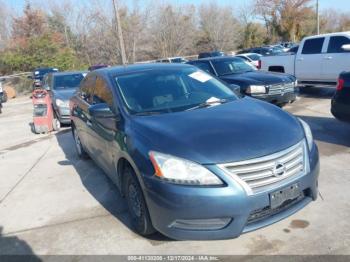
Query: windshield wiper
x=147, y=113
x=208, y=104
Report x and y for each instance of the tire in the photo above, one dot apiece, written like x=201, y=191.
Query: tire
x=138, y=211
x=78, y=145
x=56, y=124
x=4, y=97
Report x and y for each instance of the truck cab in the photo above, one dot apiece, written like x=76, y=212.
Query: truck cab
x=319, y=59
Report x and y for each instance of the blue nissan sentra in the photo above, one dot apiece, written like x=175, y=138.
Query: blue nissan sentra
x=193, y=159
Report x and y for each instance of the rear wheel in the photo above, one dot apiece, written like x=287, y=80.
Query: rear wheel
x=78, y=145
x=137, y=207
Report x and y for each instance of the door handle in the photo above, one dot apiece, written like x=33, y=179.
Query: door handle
x=300, y=59
x=328, y=57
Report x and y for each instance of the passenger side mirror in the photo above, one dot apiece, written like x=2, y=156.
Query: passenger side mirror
x=346, y=47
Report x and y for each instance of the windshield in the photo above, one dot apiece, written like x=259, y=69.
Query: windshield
x=67, y=81
x=170, y=90
x=232, y=66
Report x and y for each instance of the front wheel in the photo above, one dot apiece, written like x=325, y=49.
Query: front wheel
x=78, y=145
x=137, y=207
x=56, y=124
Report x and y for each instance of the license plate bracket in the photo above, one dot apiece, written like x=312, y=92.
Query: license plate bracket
x=277, y=198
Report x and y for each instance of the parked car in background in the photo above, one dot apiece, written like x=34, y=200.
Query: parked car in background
x=319, y=59
x=38, y=75
x=272, y=87
x=341, y=100
x=264, y=51
x=61, y=87
x=210, y=54
x=172, y=60
x=146, y=126
x=3, y=94
x=252, y=58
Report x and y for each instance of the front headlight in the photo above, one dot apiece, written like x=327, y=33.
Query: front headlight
x=181, y=171
x=253, y=89
x=308, y=133
x=61, y=103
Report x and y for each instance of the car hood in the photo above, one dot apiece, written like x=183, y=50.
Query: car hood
x=243, y=129
x=258, y=78
x=64, y=94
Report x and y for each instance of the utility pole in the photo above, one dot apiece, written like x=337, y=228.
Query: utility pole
x=317, y=18
x=119, y=31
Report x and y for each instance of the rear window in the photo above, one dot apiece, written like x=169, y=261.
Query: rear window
x=67, y=81
x=336, y=43
x=313, y=46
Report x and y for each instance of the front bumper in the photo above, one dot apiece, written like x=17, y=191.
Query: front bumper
x=198, y=213
x=63, y=114
x=277, y=99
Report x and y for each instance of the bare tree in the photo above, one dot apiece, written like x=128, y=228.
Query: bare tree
x=218, y=26
x=172, y=29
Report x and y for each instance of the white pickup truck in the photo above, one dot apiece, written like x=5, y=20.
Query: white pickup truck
x=319, y=59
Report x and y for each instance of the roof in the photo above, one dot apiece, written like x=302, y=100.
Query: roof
x=346, y=33
x=67, y=73
x=118, y=70
x=246, y=54
x=215, y=58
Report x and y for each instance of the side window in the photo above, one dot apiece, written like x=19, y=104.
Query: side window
x=87, y=88
x=205, y=66
x=313, y=46
x=335, y=44
x=102, y=93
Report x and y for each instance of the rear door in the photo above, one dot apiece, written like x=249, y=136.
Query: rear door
x=308, y=62
x=336, y=60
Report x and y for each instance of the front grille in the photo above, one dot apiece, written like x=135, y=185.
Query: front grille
x=280, y=89
x=266, y=212
x=261, y=172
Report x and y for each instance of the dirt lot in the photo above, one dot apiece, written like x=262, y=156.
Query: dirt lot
x=53, y=203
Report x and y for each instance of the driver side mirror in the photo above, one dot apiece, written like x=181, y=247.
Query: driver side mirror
x=104, y=116
x=101, y=110
x=346, y=47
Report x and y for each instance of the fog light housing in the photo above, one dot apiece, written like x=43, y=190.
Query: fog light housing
x=201, y=224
